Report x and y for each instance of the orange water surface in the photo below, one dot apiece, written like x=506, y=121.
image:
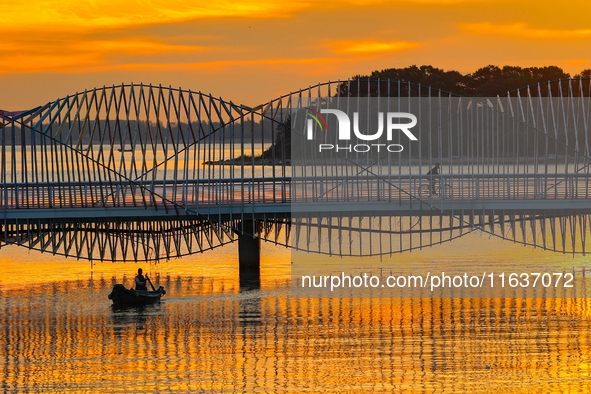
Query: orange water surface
x=59, y=333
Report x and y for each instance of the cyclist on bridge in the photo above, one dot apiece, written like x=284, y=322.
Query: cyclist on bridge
x=433, y=171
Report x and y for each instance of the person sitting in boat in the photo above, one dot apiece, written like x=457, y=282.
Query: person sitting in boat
x=141, y=280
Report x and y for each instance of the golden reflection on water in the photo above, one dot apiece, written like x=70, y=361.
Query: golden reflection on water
x=59, y=333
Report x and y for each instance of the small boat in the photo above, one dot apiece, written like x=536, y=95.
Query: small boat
x=122, y=296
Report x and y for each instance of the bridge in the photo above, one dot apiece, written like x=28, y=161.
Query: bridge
x=142, y=172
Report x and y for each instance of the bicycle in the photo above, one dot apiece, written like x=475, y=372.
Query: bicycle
x=442, y=190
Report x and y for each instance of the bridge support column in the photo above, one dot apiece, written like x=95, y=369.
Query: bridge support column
x=249, y=259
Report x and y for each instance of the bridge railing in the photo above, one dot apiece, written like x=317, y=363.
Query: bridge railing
x=402, y=188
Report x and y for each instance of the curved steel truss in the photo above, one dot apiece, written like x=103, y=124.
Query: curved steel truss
x=141, y=172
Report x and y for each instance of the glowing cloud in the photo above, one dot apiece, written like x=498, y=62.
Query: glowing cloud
x=577, y=62
x=89, y=14
x=523, y=30
x=63, y=54
x=371, y=46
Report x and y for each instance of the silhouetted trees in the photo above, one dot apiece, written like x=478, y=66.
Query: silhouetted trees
x=281, y=148
x=488, y=81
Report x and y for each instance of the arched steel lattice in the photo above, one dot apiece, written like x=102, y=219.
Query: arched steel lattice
x=136, y=172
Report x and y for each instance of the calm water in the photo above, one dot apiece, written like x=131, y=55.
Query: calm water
x=59, y=333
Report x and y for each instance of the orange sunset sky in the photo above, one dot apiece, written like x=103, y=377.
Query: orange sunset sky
x=253, y=51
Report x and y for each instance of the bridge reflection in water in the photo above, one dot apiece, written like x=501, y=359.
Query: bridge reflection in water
x=211, y=337
x=136, y=172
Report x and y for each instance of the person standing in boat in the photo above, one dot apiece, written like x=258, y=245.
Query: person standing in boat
x=141, y=280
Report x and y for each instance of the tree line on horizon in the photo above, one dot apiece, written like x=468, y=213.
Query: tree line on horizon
x=488, y=81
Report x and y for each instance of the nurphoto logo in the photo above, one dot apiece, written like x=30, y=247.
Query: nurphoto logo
x=394, y=121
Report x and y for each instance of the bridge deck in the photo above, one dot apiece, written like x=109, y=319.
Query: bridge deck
x=262, y=210
x=401, y=195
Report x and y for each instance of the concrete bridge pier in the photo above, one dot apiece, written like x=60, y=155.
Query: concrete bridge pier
x=249, y=258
